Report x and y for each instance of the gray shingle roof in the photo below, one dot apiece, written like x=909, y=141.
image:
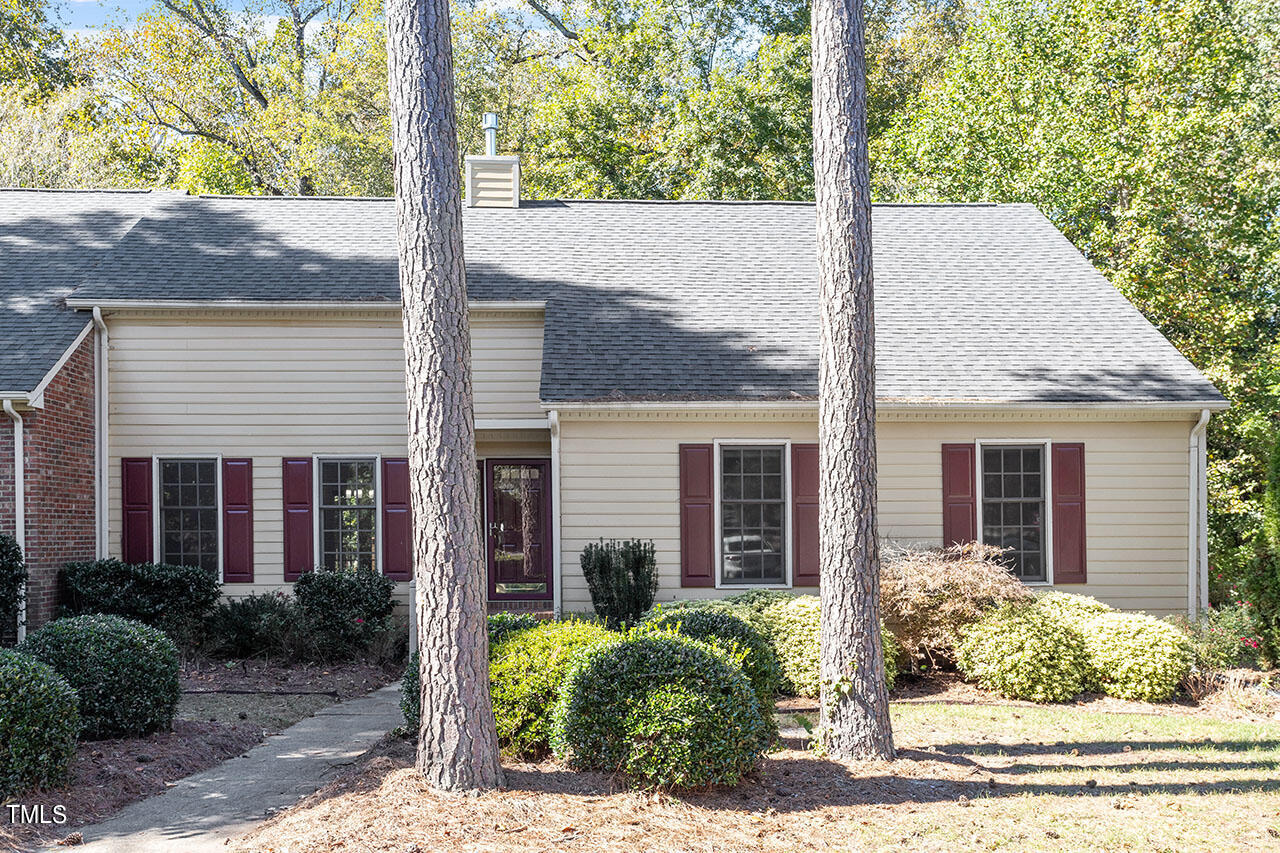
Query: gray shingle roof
x=48, y=242
x=702, y=300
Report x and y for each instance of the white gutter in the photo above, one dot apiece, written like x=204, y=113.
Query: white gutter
x=557, y=551
x=882, y=407
x=100, y=379
x=19, y=506
x=295, y=305
x=1195, y=532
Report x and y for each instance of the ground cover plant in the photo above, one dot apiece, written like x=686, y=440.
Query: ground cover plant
x=970, y=776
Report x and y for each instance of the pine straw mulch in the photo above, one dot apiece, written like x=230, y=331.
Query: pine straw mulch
x=107, y=775
x=341, y=681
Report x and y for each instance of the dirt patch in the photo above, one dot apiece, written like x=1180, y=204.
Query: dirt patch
x=267, y=712
x=340, y=681
x=1043, y=779
x=107, y=775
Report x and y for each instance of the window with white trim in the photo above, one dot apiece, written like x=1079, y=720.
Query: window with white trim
x=188, y=508
x=348, y=515
x=1013, y=506
x=753, y=514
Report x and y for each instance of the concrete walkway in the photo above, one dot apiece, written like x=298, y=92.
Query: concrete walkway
x=202, y=811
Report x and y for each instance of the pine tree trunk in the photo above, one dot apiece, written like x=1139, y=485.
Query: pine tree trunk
x=855, y=703
x=457, y=740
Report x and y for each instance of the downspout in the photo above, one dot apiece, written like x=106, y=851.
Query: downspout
x=553, y=425
x=1195, y=497
x=1204, y=513
x=100, y=430
x=19, y=506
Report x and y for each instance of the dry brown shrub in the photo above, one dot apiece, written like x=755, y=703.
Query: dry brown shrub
x=928, y=596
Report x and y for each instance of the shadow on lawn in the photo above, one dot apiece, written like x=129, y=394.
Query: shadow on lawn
x=796, y=782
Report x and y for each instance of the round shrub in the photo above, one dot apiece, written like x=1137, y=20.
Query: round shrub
x=1024, y=653
x=124, y=673
x=758, y=663
x=39, y=722
x=506, y=622
x=760, y=600
x=1133, y=656
x=13, y=574
x=794, y=627
x=667, y=710
x=525, y=673
x=1072, y=610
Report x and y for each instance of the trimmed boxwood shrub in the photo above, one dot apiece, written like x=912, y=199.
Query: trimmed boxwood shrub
x=1022, y=652
x=666, y=710
x=13, y=573
x=1134, y=656
x=506, y=622
x=174, y=599
x=525, y=673
x=761, y=600
x=1072, y=610
x=343, y=612
x=39, y=723
x=124, y=673
x=501, y=625
x=758, y=659
x=794, y=627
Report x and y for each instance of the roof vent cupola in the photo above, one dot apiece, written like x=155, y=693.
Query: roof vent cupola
x=492, y=180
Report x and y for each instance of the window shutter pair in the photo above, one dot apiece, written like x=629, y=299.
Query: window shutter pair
x=299, y=524
x=137, y=534
x=698, y=515
x=960, y=504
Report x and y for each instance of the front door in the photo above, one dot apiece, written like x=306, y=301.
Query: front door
x=518, y=528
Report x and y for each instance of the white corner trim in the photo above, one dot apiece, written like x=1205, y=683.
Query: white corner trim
x=1197, y=575
x=557, y=594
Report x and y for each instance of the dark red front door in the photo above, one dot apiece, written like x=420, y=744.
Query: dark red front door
x=518, y=528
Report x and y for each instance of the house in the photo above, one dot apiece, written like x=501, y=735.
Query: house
x=219, y=381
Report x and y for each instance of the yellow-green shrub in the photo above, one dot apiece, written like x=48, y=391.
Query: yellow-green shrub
x=1073, y=610
x=794, y=627
x=1134, y=656
x=1024, y=653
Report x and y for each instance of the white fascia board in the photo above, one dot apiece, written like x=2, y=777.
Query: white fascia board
x=256, y=305
x=812, y=405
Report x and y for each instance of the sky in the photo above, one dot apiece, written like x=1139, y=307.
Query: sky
x=80, y=15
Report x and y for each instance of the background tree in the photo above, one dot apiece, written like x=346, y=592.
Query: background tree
x=458, y=739
x=32, y=50
x=855, y=702
x=1146, y=131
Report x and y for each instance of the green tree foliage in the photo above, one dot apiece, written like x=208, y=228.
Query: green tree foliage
x=1145, y=131
x=32, y=50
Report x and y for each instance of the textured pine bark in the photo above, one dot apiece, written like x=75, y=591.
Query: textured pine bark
x=457, y=741
x=855, y=703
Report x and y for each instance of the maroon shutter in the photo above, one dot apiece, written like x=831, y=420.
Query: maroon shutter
x=959, y=494
x=397, y=522
x=697, y=515
x=804, y=515
x=135, y=500
x=299, y=536
x=1068, y=514
x=237, y=520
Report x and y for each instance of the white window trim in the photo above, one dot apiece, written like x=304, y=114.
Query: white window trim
x=157, y=534
x=316, y=543
x=787, y=528
x=1047, y=444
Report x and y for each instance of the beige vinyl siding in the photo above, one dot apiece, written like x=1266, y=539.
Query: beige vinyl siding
x=272, y=388
x=619, y=478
